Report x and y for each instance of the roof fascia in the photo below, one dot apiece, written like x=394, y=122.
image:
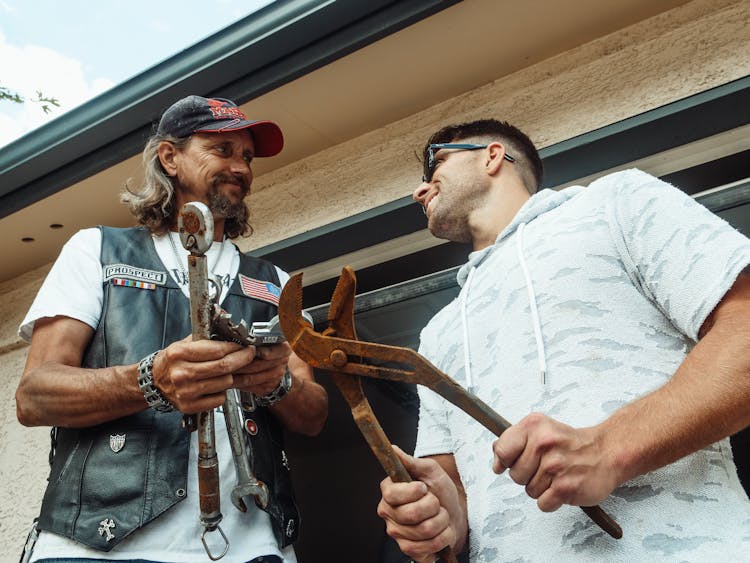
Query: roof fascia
x=699, y=116
x=258, y=53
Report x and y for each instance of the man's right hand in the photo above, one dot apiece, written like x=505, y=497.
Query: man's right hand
x=193, y=376
x=429, y=513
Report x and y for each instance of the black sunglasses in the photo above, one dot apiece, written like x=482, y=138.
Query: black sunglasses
x=429, y=162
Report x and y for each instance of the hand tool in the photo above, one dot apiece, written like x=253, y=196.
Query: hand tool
x=338, y=351
x=196, y=227
x=210, y=321
x=195, y=224
x=341, y=324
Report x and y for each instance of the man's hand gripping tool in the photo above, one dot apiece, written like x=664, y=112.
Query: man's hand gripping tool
x=338, y=351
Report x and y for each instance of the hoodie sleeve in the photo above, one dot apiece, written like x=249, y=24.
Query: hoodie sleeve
x=682, y=256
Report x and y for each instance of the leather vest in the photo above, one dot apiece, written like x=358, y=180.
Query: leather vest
x=98, y=494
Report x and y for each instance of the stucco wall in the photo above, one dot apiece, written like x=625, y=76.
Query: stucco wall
x=681, y=52
x=687, y=50
x=23, y=451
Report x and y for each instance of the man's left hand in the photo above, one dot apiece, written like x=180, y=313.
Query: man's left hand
x=557, y=464
x=263, y=374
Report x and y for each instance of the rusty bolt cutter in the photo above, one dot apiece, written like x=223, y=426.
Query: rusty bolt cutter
x=338, y=351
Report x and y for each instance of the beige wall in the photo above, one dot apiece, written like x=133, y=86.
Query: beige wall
x=701, y=45
x=686, y=50
x=23, y=451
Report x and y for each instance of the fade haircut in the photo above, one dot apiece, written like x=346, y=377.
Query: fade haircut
x=518, y=145
x=153, y=203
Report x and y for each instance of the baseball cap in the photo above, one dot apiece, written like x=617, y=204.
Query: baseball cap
x=195, y=114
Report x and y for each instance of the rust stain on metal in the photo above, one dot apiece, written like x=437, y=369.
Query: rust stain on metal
x=191, y=223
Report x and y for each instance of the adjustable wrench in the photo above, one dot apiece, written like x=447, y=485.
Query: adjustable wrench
x=259, y=334
x=338, y=351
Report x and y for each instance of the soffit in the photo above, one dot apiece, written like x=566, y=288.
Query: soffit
x=456, y=50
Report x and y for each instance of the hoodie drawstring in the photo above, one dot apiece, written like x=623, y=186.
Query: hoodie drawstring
x=465, y=330
x=532, y=304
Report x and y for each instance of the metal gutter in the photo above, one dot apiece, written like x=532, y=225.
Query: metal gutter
x=275, y=45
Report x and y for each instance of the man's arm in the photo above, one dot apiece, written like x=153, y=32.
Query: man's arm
x=305, y=408
x=705, y=401
x=429, y=513
x=56, y=391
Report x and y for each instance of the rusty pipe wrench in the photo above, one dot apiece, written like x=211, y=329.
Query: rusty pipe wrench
x=348, y=356
x=341, y=324
x=195, y=224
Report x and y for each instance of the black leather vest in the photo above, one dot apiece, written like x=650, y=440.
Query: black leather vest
x=97, y=494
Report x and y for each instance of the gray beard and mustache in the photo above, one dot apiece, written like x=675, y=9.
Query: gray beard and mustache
x=222, y=206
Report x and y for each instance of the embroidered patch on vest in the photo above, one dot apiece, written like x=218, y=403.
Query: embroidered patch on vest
x=262, y=290
x=132, y=283
x=124, y=271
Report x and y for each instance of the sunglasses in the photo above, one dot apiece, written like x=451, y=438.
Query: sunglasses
x=430, y=164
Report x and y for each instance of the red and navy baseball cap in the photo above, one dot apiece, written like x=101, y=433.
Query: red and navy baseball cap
x=195, y=114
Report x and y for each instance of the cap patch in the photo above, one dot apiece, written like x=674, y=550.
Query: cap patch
x=222, y=110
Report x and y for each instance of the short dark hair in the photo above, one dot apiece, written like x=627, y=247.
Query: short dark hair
x=519, y=145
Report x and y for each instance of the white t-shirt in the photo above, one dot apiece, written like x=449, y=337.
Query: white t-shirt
x=73, y=288
x=605, y=343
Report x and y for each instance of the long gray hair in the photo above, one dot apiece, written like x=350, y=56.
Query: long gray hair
x=153, y=203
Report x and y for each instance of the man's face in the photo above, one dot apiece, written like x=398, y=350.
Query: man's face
x=456, y=189
x=214, y=168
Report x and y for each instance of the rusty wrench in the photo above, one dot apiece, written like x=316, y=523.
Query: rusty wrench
x=345, y=356
x=196, y=227
x=195, y=224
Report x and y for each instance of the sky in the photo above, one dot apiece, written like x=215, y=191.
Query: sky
x=74, y=50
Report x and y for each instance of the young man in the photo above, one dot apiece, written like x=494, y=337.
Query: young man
x=612, y=324
x=112, y=366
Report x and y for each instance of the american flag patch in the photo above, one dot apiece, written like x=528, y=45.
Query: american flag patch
x=133, y=283
x=263, y=290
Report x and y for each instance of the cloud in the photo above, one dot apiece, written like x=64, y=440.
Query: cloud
x=28, y=69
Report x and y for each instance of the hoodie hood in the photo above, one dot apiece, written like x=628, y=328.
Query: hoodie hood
x=540, y=203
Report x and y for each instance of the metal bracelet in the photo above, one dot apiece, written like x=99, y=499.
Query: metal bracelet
x=282, y=389
x=153, y=396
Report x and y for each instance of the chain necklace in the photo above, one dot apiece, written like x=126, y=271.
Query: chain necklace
x=179, y=258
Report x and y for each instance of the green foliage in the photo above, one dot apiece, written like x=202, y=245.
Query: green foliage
x=46, y=102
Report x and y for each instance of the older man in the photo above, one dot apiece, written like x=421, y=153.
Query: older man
x=111, y=356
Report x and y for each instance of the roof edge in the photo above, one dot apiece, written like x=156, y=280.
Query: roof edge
x=260, y=52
